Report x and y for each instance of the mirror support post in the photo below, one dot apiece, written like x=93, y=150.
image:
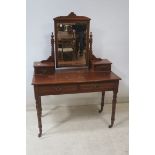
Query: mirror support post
x=90, y=41
x=52, y=44
x=90, y=48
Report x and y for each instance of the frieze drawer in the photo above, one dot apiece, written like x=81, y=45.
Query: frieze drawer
x=57, y=89
x=94, y=87
x=75, y=88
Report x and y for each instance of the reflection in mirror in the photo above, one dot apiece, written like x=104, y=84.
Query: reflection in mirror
x=71, y=44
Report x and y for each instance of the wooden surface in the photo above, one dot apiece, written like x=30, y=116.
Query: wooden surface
x=71, y=19
x=75, y=81
x=74, y=77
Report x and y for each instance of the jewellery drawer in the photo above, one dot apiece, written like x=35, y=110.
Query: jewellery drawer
x=101, y=65
x=43, y=68
x=106, y=67
x=57, y=89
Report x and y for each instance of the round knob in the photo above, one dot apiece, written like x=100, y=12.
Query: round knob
x=58, y=88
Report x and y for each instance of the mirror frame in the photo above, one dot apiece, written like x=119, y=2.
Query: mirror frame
x=72, y=18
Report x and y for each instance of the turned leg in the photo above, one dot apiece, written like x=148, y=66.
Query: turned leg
x=102, y=102
x=113, y=108
x=39, y=112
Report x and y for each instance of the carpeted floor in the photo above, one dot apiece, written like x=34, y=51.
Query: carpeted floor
x=78, y=130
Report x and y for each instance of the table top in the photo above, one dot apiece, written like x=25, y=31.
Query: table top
x=82, y=76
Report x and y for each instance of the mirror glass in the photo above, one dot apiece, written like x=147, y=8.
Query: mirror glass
x=71, y=44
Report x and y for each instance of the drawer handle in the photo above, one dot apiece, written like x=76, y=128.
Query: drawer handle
x=96, y=86
x=58, y=88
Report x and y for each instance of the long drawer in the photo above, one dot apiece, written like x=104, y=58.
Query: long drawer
x=75, y=88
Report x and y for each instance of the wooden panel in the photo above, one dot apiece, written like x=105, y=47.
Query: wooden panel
x=43, y=68
x=102, y=68
x=57, y=89
x=74, y=77
x=76, y=88
x=93, y=87
x=101, y=65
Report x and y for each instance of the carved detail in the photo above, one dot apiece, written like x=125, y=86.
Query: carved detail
x=52, y=44
x=90, y=44
x=50, y=58
x=72, y=14
x=94, y=58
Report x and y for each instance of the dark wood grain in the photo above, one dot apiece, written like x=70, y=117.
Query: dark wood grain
x=46, y=67
x=74, y=77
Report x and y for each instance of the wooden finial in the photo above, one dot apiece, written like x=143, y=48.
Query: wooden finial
x=52, y=36
x=72, y=14
x=52, y=45
x=91, y=34
x=90, y=42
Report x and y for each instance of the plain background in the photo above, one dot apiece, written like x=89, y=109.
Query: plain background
x=109, y=25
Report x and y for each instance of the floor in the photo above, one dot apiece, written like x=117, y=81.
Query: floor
x=78, y=130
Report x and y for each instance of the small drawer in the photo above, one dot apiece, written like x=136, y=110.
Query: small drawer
x=101, y=65
x=106, y=67
x=43, y=70
x=44, y=67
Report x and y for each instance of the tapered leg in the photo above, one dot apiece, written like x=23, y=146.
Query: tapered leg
x=102, y=102
x=39, y=112
x=113, y=108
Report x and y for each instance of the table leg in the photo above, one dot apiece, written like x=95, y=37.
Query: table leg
x=113, y=108
x=102, y=102
x=39, y=113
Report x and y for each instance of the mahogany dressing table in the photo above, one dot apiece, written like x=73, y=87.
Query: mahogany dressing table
x=72, y=67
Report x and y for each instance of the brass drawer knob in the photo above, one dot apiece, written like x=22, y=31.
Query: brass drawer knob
x=58, y=88
x=96, y=86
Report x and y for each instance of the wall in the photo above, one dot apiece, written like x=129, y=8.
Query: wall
x=109, y=24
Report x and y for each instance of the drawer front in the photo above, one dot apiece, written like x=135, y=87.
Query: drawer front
x=95, y=87
x=102, y=67
x=75, y=88
x=44, y=70
x=57, y=89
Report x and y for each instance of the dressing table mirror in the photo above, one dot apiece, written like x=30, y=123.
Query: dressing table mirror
x=72, y=41
x=72, y=67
